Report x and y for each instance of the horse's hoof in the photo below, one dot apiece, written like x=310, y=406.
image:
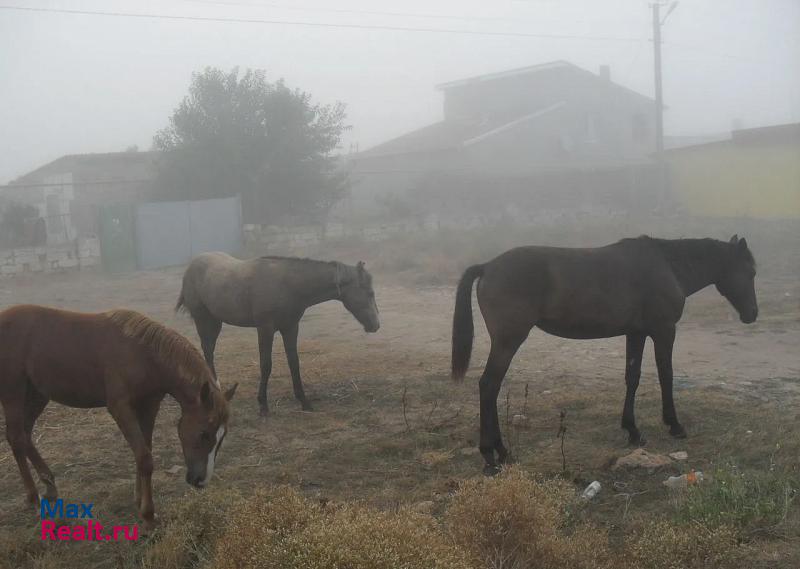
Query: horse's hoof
x=307, y=406
x=149, y=525
x=491, y=470
x=638, y=440
x=677, y=431
x=263, y=412
x=506, y=458
x=50, y=494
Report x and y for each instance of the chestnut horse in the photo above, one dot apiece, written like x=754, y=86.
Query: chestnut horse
x=634, y=288
x=121, y=360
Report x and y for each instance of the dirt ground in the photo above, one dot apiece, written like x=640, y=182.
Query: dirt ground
x=390, y=427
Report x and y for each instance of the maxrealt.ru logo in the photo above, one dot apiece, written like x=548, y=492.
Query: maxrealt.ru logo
x=92, y=530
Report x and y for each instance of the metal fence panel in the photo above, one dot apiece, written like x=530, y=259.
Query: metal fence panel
x=162, y=234
x=216, y=225
x=171, y=233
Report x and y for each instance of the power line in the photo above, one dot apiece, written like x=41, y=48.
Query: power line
x=359, y=12
x=313, y=24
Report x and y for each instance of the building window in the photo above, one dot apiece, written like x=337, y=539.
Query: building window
x=639, y=128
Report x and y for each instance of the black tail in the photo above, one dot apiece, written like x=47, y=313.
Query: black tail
x=463, y=329
x=180, y=306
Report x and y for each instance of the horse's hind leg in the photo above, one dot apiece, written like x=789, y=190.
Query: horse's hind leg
x=35, y=403
x=266, y=335
x=18, y=441
x=289, y=336
x=502, y=352
x=634, y=347
x=208, y=328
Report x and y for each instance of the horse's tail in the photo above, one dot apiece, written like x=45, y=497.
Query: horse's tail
x=463, y=328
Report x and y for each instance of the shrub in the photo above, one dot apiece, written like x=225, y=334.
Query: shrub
x=512, y=521
x=278, y=529
x=748, y=500
x=190, y=529
x=662, y=545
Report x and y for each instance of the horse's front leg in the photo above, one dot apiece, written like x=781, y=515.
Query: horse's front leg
x=634, y=347
x=146, y=413
x=128, y=422
x=266, y=335
x=289, y=336
x=663, y=342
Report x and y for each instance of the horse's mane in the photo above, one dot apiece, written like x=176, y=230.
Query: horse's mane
x=296, y=259
x=168, y=347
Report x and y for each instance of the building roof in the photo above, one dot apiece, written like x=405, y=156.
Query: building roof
x=451, y=134
x=528, y=70
x=777, y=134
x=446, y=135
x=679, y=141
x=73, y=162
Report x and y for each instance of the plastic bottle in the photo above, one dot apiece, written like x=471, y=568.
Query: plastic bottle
x=591, y=490
x=684, y=480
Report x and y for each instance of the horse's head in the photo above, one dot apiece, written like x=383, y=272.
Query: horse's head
x=359, y=298
x=736, y=282
x=201, y=428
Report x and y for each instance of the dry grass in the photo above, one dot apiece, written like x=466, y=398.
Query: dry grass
x=279, y=529
x=512, y=521
x=357, y=451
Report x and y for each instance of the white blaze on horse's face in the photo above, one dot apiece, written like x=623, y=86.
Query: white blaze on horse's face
x=212, y=457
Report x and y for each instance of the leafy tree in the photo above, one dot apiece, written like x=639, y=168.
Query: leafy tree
x=239, y=134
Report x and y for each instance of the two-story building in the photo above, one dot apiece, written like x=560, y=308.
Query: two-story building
x=549, y=132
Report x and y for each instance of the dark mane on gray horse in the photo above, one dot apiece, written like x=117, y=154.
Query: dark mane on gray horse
x=299, y=259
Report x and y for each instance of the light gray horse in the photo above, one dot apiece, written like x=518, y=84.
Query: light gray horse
x=270, y=294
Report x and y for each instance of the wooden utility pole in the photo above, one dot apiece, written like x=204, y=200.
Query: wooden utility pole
x=659, y=96
x=657, y=23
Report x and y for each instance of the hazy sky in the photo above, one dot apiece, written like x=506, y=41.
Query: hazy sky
x=85, y=83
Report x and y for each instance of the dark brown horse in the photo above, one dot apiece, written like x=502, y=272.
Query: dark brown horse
x=121, y=360
x=634, y=288
x=271, y=294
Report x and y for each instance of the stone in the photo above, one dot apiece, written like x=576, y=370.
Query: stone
x=640, y=458
x=679, y=455
x=519, y=420
x=174, y=469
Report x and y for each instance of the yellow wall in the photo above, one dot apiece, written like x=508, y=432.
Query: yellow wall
x=732, y=180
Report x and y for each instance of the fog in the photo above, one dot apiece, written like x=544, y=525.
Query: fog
x=75, y=83
x=473, y=236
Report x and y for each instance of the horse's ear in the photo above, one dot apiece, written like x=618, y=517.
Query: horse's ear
x=742, y=244
x=205, y=396
x=230, y=392
x=360, y=273
x=734, y=240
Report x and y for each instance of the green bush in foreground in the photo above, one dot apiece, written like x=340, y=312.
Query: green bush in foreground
x=753, y=501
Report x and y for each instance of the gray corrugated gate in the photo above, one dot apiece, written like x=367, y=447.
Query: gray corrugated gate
x=171, y=233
